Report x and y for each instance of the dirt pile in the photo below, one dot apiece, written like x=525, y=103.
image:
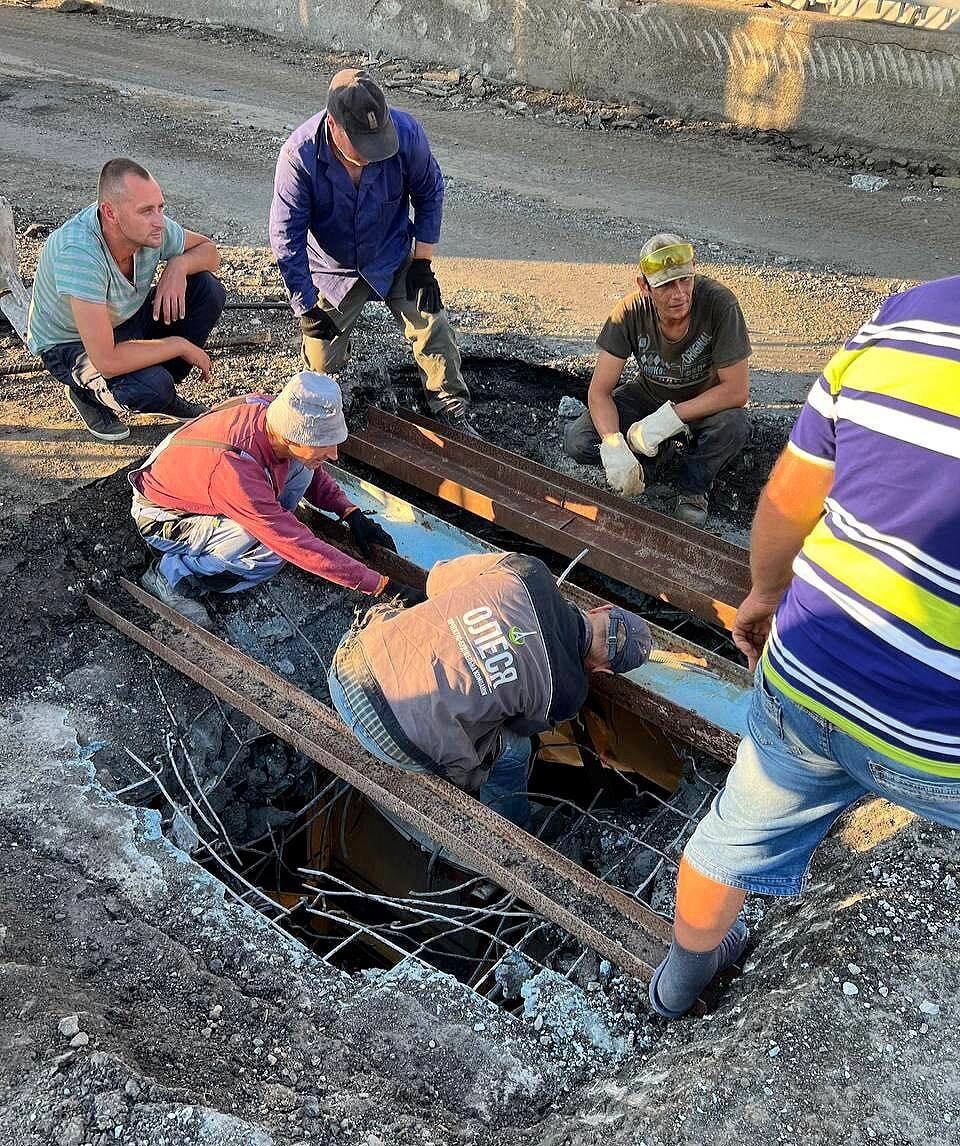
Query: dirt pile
x=840, y=1025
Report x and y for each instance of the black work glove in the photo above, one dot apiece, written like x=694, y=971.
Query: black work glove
x=316, y=323
x=405, y=594
x=422, y=286
x=367, y=532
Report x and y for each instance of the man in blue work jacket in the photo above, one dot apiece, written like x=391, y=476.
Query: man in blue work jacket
x=341, y=230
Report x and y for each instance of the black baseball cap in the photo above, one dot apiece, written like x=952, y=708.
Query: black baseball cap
x=357, y=104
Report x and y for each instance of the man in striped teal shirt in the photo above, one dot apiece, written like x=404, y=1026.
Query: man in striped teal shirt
x=118, y=343
x=853, y=622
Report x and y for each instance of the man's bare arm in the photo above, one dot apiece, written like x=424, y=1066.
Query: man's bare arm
x=730, y=393
x=790, y=506
x=114, y=358
x=170, y=297
x=603, y=410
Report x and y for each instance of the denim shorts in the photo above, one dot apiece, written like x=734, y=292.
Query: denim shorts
x=795, y=773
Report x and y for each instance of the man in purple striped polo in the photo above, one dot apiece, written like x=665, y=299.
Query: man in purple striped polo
x=853, y=624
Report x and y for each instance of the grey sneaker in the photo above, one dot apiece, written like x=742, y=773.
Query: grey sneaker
x=180, y=410
x=692, y=508
x=100, y=421
x=158, y=586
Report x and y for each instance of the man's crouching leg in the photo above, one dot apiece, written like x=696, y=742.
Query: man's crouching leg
x=505, y=789
x=581, y=440
x=204, y=302
x=200, y=555
x=228, y=560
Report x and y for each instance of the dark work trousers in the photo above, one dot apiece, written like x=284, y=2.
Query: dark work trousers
x=431, y=338
x=715, y=440
x=150, y=390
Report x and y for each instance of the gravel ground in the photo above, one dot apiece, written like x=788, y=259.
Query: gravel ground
x=136, y=995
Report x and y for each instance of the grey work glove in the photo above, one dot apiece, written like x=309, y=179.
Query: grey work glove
x=621, y=467
x=646, y=436
x=317, y=323
x=422, y=287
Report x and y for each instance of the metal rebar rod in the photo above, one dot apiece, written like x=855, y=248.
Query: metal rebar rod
x=258, y=304
x=400, y=904
x=515, y=949
x=290, y=836
x=130, y=787
x=170, y=741
x=204, y=797
x=217, y=825
x=33, y=367
x=358, y=927
x=226, y=719
x=251, y=888
x=575, y=964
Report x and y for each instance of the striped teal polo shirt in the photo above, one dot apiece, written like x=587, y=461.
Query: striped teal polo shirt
x=868, y=633
x=76, y=263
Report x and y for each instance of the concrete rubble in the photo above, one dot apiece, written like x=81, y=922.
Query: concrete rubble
x=162, y=1007
x=136, y=994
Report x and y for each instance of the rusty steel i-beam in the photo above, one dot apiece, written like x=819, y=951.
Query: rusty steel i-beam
x=618, y=927
x=687, y=567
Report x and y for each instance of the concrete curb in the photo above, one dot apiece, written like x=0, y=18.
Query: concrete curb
x=881, y=85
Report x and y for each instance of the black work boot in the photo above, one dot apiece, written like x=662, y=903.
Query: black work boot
x=455, y=416
x=692, y=508
x=101, y=422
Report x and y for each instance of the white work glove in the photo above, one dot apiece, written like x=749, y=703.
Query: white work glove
x=646, y=435
x=621, y=467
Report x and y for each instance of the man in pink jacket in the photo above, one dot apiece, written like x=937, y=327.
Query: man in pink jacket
x=216, y=499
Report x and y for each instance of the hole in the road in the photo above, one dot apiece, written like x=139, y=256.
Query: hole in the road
x=361, y=889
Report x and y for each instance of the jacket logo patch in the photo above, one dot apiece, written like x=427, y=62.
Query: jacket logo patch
x=485, y=648
x=517, y=636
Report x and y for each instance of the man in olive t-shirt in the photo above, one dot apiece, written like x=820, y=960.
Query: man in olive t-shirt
x=689, y=338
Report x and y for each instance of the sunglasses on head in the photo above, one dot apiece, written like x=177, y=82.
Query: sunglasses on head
x=664, y=258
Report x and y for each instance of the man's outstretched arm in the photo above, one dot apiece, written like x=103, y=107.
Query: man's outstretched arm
x=789, y=507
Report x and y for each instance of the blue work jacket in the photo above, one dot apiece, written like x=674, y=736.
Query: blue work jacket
x=326, y=233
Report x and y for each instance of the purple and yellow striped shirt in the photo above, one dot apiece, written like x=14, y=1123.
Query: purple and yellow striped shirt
x=868, y=633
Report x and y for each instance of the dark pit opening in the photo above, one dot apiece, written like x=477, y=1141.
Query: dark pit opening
x=253, y=809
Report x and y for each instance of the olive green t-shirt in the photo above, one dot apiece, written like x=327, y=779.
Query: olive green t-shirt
x=675, y=371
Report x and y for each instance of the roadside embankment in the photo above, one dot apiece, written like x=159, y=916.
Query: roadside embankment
x=880, y=85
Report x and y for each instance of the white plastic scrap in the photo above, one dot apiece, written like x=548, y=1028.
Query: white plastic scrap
x=868, y=182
